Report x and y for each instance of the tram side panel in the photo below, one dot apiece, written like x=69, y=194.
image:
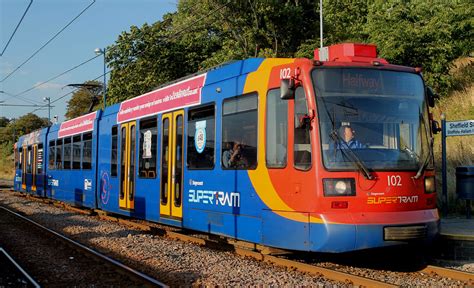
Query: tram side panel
x=30, y=163
x=72, y=160
x=219, y=198
x=128, y=180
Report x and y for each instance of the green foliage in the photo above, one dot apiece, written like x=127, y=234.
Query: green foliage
x=10, y=133
x=4, y=121
x=23, y=125
x=206, y=33
x=83, y=98
x=428, y=34
x=203, y=34
x=344, y=21
x=143, y=59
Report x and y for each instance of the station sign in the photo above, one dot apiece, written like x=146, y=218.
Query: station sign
x=459, y=128
x=84, y=123
x=179, y=95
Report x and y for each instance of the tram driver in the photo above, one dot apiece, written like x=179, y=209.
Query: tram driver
x=348, y=139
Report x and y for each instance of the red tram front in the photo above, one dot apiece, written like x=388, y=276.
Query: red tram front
x=362, y=148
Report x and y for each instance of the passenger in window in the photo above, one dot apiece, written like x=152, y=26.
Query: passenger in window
x=348, y=139
x=235, y=157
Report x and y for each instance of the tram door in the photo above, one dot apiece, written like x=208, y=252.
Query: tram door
x=171, y=194
x=34, y=167
x=127, y=165
x=24, y=157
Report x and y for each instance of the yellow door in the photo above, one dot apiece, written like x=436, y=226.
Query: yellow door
x=171, y=194
x=127, y=165
x=33, y=167
x=23, y=170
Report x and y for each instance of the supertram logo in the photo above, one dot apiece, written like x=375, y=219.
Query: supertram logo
x=392, y=200
x=220, y=198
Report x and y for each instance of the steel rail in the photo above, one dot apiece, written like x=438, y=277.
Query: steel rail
x=450, y=273
x=19, y=268
x=246, y=251
x=147, y=279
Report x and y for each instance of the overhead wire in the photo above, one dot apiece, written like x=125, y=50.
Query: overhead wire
x=114, y=47
x=49, y=41
x=19, y=98
x=57, y=76
x=61, y=97
x=16, y=28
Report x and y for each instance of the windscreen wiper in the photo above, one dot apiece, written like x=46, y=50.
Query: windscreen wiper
x=427, y=159
x=352, y=156
x=425, y=163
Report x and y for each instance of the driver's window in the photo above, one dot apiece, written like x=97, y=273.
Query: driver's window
x=302, y=145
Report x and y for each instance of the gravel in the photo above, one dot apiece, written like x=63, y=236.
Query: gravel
x=173, y=262
x=178, y=263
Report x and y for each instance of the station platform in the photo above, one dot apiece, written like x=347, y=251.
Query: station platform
x=456, y=241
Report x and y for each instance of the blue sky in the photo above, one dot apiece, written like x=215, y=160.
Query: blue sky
x=98, y=27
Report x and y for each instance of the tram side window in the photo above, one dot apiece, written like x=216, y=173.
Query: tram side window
x=87, y=151
x=51, y=155
x=277, y=130
x=59, y=154
x=239, y=132
x=67, y=153
x=20, y=154
x=302, y=146
x=113, y=156
x=39, y=157
x=29, y=159
x=201, y=138
x=76, y=152
x=148, y=142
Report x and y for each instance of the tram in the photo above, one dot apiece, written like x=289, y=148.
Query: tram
x=330, y=154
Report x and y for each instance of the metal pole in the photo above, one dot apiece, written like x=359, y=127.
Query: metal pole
x=105, y=84
x=321, y=23
x=443, y=165
x=49, y=109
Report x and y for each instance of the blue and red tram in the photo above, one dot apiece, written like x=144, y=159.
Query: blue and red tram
x=330, y=154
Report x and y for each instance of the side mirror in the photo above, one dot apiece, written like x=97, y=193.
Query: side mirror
x=435, y=128
x=287, y=89
x=304, y=121
x=432, y=96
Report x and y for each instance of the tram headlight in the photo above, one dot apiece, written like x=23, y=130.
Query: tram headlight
x=430, y=184
x=339, y=187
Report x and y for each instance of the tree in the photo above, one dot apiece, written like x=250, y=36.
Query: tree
x=21, y=126
x=430, y=34
x=144, y=58
x=206, y=33
x=4, y=121
x=203, y=34
x=82, y=99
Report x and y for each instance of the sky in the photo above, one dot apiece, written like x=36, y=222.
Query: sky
x=97, y=27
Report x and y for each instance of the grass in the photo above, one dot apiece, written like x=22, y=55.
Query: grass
x=6, y=162
x=459, y=149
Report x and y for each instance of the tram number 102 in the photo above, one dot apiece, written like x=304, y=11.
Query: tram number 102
x=394, y=180
x=285, y=73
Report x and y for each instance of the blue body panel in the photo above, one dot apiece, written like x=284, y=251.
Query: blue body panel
x=74, y=186
x=39, y=188
x=147, y=190
x=230, y=80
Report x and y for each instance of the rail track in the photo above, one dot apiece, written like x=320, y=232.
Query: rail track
x=274, y=256
x=126, y=275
